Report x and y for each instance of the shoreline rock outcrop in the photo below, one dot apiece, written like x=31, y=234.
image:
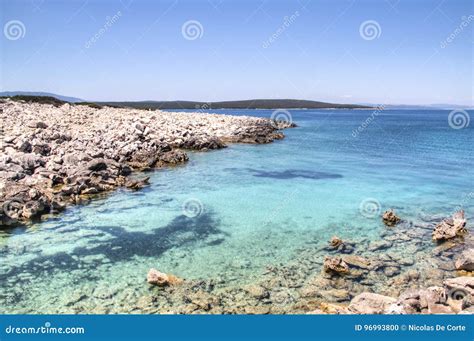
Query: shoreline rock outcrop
x=54, y=156
x=450, y=227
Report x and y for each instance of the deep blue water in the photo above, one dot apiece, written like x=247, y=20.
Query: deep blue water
x=229, y=213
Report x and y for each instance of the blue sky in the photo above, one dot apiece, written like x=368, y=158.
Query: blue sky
x=67, y=47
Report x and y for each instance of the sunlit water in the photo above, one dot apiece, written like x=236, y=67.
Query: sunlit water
x=254, y=205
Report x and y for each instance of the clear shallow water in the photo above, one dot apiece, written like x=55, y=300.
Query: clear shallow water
x=257, y=205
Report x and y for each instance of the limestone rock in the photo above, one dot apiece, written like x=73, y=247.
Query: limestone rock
x=451, y=227
x=335, y=265
x=460, y=285
x=335, y=242
x=370, y=303
x=389, y=218
x=161, y=279
x=466, y=260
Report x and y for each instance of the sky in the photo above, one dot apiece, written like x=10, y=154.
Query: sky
x=343, y=51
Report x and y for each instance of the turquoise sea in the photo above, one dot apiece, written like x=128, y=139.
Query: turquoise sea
x=229, y=213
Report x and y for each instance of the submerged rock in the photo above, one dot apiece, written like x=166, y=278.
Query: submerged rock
x=257, y=291
x=379, y=245
x=335, y=242
x=335, y=265
x=451, y=227
x=357, y=261
x=389, y=218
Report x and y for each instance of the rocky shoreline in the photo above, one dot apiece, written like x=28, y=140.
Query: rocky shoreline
x=355, y=277
x=57, y=155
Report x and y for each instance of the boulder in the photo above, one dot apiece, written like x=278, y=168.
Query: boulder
x=466, y=260
x=389, y=218
x=450, y=227
x=330, y=308
x=25, y=147
x=335, y=242
x=42, y=149
x=357, y=261
x=463, y=285
x=335, y=265
x=137, y=184
x=370, y=303
x=173, y=157
x=161, y=279
x=33, y=209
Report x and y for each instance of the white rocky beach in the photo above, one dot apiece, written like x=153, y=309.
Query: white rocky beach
x=59, y=154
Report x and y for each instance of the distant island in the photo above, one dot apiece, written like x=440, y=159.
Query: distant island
x=44, y=97
x=245, y=104
x=195, y=105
